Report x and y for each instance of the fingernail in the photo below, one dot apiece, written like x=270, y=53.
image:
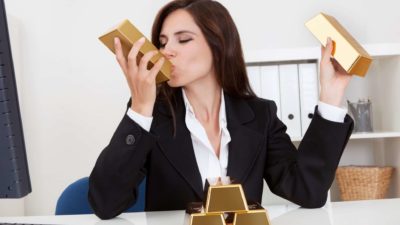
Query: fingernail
x=115, y=40
x=329, y=39
x=141, y=39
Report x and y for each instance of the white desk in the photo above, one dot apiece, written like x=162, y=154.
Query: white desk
x=385, y=212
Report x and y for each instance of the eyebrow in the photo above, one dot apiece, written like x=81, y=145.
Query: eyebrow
x=178, y=33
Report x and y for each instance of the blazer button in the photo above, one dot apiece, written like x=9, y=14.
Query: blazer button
x=130, y=139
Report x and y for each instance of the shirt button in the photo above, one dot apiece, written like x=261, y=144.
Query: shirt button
x=130, y=139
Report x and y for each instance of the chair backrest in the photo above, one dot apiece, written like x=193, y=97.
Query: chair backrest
x=73, y=199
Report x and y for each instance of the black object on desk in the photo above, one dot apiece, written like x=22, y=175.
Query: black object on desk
x=24, y=224
x=14, y=175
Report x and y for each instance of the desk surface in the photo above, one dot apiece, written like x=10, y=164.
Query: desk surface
x=374, y=212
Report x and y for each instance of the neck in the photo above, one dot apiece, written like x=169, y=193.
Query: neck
x=205, y=98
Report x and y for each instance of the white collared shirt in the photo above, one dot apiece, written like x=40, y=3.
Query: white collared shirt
x=209, y=164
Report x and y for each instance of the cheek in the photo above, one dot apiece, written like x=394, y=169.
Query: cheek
x=198, y=63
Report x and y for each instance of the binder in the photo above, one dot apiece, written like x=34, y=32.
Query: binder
x=308, y=93
x=270, y=85
x=290, y=98
x=253, y=73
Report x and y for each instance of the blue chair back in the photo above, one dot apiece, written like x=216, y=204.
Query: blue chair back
x=74, y=200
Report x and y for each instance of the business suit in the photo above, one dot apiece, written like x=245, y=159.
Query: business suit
x=259, y=149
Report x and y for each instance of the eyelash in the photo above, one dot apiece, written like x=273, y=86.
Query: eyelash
x=185, y=41
x=180, y=41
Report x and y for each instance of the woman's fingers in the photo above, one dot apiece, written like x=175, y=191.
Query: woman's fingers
x=142, y=87
x=145, y=60
x=120, y=56
x=156, y=68
x=132, y=56
x=327, y=50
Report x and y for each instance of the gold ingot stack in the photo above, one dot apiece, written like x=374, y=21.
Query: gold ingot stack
x=226, y=204
x=129, y=34
x=351, y=56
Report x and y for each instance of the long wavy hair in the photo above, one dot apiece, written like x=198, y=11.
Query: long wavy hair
x=222, y=37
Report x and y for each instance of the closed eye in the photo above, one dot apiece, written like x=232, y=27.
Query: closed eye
x=162, y=45
x=185, y=41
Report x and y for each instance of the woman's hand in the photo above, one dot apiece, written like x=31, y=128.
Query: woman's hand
x=141, y=81
x=333, y=78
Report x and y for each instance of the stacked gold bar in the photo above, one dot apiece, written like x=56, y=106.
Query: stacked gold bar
x=226, y=204
x=129, y=34
x=347, y=51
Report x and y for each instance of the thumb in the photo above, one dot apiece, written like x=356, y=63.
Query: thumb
x=327, y=50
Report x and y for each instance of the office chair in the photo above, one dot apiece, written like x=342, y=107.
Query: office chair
x=74, y=200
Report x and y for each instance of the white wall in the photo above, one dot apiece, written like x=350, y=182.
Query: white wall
x=73, y=94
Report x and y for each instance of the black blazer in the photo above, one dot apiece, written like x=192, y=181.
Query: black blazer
x=259, y=149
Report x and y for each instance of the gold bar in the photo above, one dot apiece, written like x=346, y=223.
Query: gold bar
x=252, y=217
x=347, y=51
x=226, y=198
x=226, y=205
x=207, y=219
x=128, y=34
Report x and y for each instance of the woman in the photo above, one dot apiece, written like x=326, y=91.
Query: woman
x=207, y=122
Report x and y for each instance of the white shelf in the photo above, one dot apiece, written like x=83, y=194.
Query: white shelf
x=372, y=135
x=390, y=134
x=307, y=53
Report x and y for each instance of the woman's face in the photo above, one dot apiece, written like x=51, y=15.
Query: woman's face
x=183, y=43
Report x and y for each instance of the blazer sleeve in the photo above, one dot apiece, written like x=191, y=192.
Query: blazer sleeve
x=304, y=175
x=119, y=169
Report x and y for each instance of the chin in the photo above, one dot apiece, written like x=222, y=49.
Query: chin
x=176, y=81
x=173, y=83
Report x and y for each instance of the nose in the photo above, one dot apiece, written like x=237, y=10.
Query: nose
x=168, y=51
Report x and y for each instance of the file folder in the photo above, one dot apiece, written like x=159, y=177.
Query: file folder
x=253, y=73
x=270, y=85
x=290, y=99
x=308, y=93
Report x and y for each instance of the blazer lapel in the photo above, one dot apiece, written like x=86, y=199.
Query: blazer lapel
x=179, y=149
x=245, y=143
x=244, y=147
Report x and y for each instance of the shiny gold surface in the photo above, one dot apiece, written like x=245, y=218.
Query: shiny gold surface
x=347, y=51
x=253, y=217
x=128, y=34
x=207, y=219
x=226, y=204
x=226, y=198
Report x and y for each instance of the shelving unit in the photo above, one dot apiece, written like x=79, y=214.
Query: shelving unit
x=375, y=135
x=369, y=135
x=381, y=86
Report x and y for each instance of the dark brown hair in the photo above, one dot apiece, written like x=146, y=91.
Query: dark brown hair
x=222, y=36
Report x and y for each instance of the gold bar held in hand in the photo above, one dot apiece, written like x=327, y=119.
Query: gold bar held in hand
x=347, y=51
x=129, y=34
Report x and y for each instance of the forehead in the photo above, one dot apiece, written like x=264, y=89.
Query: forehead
x=177, y=21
